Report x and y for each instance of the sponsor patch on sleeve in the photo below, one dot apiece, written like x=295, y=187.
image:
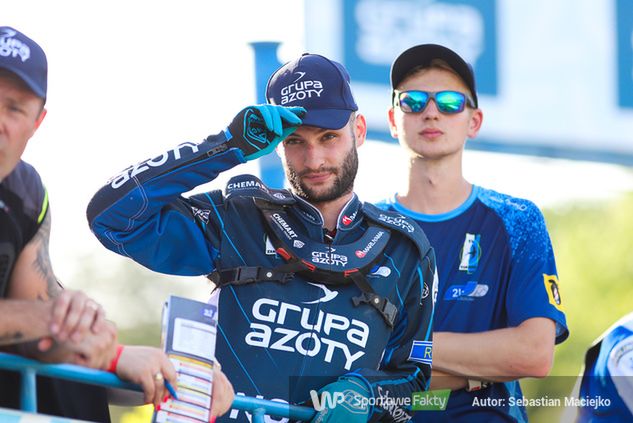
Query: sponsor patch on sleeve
x=422, y=352
x=553, y=291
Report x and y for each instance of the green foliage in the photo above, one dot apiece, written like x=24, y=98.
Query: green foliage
x=593, y=245
x=132, y=295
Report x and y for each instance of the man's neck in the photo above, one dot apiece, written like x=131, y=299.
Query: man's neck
x=435, y=186
x=330, y=210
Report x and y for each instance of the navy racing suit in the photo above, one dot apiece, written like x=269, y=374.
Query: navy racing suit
x=280, y=339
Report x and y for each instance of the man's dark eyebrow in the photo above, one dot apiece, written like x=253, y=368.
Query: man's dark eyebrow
x=318, y=131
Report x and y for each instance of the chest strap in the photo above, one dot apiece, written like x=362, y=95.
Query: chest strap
x=341, y=264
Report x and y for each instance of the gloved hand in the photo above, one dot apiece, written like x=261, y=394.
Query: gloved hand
x=257, y=130
x=350, y=402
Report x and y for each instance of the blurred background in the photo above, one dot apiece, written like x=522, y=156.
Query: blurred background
x=130, y=79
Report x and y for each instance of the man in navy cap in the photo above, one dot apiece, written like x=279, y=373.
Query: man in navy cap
x=26, y=275
x=39, y=318
x=322, y=298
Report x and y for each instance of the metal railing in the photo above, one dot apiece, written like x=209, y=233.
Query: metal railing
x=29, y=369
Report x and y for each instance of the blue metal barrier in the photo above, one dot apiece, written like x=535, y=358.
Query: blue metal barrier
x=29, y=369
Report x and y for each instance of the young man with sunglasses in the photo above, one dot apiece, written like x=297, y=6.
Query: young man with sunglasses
x=318, y=291
x=498, y=311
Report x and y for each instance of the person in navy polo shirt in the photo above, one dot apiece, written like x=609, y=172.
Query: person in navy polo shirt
x=499, y=311
x=38, y=318
x=323, y=298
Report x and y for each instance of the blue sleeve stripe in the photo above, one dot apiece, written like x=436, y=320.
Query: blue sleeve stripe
x=228, y=238
x=421, y=281
x=406, y=379
x=399, y=296
x=393, y=264
x=399, y=381
x=239, y=304
x=215, y=209
x=429, y=332
x=388, y=354
x=237, y=358
x=244, y=262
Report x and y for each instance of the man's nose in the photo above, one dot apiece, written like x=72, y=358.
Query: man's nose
x=430, y=111
x=313, y=157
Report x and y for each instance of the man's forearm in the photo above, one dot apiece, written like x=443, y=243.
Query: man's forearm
x=497, y=355
x=24, y=320
x=23, y=324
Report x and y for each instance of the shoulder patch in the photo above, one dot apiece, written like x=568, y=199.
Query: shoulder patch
x=390, y=218
x=252, y=186
x=400, y=223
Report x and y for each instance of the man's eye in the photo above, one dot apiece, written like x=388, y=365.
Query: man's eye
x=15, y=109
x=291, y=141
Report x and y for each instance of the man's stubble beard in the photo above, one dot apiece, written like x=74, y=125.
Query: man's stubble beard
x=343, y=182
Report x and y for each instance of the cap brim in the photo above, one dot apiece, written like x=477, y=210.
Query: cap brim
x=29, y=83
x=326, y=118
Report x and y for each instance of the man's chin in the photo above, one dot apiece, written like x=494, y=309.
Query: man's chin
x=312, y=197
x=317, y=195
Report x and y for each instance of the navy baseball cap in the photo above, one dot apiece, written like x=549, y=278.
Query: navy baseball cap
x=318, y=84
x=422, y=55
x=25, y=58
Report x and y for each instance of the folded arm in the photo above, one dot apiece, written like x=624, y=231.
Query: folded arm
x=48, y=322
x=497, y=355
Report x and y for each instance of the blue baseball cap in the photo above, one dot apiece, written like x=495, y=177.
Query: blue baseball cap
x=25, y=58
x=318, y=84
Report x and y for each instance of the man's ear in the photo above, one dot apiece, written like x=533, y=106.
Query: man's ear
x=392, y=123
x=360, y=129
x=40, y=118
x=474, y=125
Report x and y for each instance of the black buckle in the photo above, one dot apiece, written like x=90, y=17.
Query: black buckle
x=386, y=309
x=248, y=274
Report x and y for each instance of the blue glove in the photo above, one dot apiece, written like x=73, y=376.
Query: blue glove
x=349, y=402
x=257, y=130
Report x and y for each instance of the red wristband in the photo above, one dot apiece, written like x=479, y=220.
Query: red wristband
x=115, y=360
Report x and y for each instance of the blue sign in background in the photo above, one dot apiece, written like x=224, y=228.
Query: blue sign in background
x=375, y=32
x=624, y=25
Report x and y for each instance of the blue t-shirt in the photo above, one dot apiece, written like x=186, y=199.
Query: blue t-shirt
x=606, y=390
x=496, y=269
